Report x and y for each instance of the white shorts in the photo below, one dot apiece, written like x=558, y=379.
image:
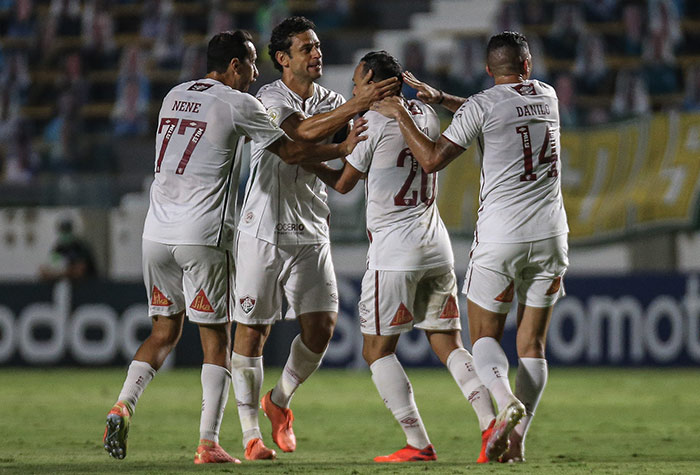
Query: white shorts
x=533, y=271
x=196, y=278
x=303, y=274
x=425, y=299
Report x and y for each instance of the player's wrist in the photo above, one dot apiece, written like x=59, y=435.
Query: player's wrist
x=441, y=97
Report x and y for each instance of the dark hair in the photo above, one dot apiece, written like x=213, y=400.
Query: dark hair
x=507, y=51
x=225, y=46
x=281, y=38
x=383, y=66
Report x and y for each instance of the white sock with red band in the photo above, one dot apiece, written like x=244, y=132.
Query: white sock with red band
x=461, y=366
x=396, y=391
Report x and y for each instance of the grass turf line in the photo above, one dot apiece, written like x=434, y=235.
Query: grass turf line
x=589, y=421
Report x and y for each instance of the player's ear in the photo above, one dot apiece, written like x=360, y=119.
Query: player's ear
x=234, y=65
x=282, y=58
x=488, y=71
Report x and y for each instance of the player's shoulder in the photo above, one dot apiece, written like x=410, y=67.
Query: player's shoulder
x=327, y=95
x=419, y=108
x=273, y=89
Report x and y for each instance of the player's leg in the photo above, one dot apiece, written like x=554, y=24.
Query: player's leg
x=258, y=306
x=541, y=287
x=490, y=290
x=311, y=290
x=208, y=285
x=163, y=281
x=386, y=311
x=394, y=387
x=216, y=383
x=248, y=376
x=437, y=313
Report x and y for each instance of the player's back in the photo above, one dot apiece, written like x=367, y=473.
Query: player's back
x=520, y=194
x=403, y=222
x=195, y=167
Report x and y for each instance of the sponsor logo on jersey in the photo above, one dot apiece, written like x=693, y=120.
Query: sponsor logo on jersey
x=507, y=294
x=402, y=316
x=273, y=114
x=290, y=228
x=450, y=310
x=554, y=288
x=526, y=89
x=199, y=86
x=247, y=304
x=201, y=303
x=158, y=299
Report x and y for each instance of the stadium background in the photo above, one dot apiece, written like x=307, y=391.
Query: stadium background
x=82, y=82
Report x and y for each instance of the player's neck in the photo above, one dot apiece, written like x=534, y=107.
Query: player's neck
x=509, y=79
x=304, y=88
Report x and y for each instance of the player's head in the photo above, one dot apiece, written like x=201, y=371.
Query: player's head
x=295, y=48
x=383, y=66
x=231, y=58
x=508, y=54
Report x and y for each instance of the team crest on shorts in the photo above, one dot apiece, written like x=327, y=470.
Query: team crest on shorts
x=247, y=304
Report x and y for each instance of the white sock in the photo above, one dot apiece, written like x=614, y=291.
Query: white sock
x=491, y=365
x=396, y=391
x=530, y=381
x=460, y=365
x=138, y=376
x=216, y=383
x=247, y=377
x=301, y=364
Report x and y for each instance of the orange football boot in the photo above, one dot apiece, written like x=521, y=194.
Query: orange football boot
x=484, y=439
x=211, y=452
x=409, y=454
x=256, y=450
x=117, y=429
x=281, y=419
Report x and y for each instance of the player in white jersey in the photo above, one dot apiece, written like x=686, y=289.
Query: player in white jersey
x=410, y=280
x=283, y=246
x=520, y=242
x=188, y=233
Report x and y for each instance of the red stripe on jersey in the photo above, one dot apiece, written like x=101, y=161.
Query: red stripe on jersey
x=376, y=301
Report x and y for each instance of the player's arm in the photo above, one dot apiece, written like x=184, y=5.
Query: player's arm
x=432, y=156
x=430, y=95
x=296, y=153
x=320, y=126
x=341, y=180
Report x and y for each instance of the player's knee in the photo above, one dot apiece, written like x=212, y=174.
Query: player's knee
x=316, y=336
x=534, y=348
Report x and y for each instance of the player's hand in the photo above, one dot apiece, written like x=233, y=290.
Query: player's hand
x=354, y=137
x=367, y=92
x=426, y=92
x=390, y=107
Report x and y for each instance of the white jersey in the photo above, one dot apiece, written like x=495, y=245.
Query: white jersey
x=284, y=204
x=403, y=222
x=199, y=137
x=516, y=127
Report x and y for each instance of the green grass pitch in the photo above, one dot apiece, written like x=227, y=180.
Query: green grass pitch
x=590, y=421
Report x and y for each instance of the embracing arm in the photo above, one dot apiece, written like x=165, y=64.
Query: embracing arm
x=430, y=95
x=432, y=156
x=295, y=153
x=341, y=180
x=320, y=126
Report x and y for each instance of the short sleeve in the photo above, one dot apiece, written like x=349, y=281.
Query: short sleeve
x=252, y=120
x=277, y=105
x=466, y=124
x=361, y=156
